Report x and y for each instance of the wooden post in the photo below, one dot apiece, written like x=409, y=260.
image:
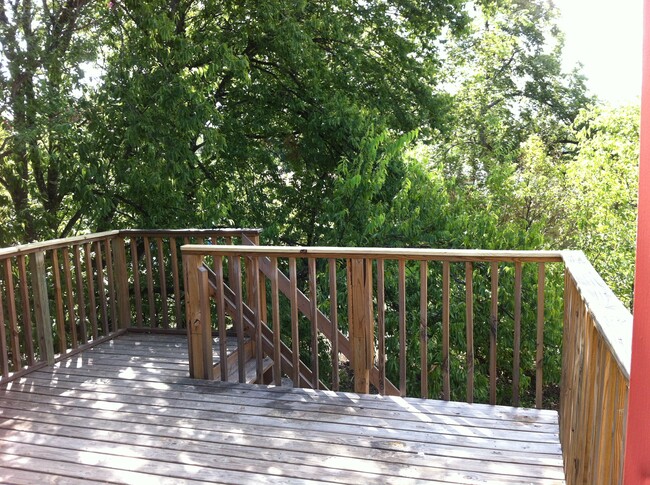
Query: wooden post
x=197, y=316
x=637, y=469
x=361, y=321
x=121, y=283
x=42, y=308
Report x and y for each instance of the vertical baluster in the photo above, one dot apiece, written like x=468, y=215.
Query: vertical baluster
x=295, y=342
x=446, y=384
x=14, y=334
x=41, y=307
x=335, y=325
x=163, y=282
x=26, y=308
x=469, y=329
x=231, y=272
x=150, y=293
x=221, y=316
x=91, y=290
x=517, y=337
x=137, y=290
x=539, y=359
x=111, y=284
x=494, y=297
x=424, y=337
x=275, y=315
x=81, y=303
x=100, y=285
x=58, y=301
x=257, y=314
x=206, y=324
x=177, y=284
x=313, y=310
x=402, y=325
x=239, y=317
x=72, y=318
x=3, y=339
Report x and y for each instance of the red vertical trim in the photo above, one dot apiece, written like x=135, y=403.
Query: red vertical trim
x=637, y=444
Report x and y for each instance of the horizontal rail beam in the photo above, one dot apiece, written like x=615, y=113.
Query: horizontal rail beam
x=223, y=232
x=612, y=319
x=55, y=244
x=377, y=253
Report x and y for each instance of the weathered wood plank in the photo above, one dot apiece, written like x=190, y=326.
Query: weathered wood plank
x=424, y=331
x=516, y=355
x=100, y=286
x=150, y=290
x=469, y=330
x=72, y=319
x=103, y=417
x=58, y=303
x=81, y=300
x=446, y=297
x=539, y=354
x=163, y=283
x=494, y=320
x=90, y=281
x=41, y=309
x=457, y=255
x=401, y=288
x=381, y=329
x=275, y=317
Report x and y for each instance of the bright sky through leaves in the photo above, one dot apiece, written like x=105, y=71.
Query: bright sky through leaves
x=606, y=37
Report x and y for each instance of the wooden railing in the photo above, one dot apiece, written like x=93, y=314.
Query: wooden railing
x=376, y=309
x=597, y=345
x=460, y=325
x=59, y=297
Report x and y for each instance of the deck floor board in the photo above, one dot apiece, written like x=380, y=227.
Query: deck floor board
x=127, y=412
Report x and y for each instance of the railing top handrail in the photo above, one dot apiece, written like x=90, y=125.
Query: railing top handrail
x=611, y=317
x=50, y=244
x=220, y=231
x=55, y=243
x=458, y=255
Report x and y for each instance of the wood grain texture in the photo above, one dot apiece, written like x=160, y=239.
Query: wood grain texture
x=494, y=320
x=458, y=255
x=593, y=398
x=424, y=331
x=149, y=275
x=539, y=347
x=335, y=325
x=469, y=330
x=516, y=357
x=41, y=309
x=58, y=300
x=100, y=286
x=90, y=282
x=207, y=431
x=401, y=288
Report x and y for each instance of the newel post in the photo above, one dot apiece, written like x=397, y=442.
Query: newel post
x=42, y=307
x=197, y=314
x=361, y=321
x=121, y=283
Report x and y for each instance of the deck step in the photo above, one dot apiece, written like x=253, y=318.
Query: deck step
x=251, y=370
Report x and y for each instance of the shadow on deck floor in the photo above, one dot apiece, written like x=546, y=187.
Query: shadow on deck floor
x=127, y=412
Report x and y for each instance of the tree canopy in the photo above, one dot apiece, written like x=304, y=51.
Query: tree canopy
x=413, y=123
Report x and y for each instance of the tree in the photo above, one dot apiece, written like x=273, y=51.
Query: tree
x=240, y=112
x=43, y=48
x=603, y=185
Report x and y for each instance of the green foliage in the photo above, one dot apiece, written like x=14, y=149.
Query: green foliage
x=400, y=124
x=603, y=185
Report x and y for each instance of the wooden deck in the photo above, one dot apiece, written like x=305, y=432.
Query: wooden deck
x=127, y=412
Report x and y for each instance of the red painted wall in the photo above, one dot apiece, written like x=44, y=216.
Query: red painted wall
x=637, y=445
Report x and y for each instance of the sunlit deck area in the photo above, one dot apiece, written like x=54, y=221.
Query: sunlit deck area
x=126, y=411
